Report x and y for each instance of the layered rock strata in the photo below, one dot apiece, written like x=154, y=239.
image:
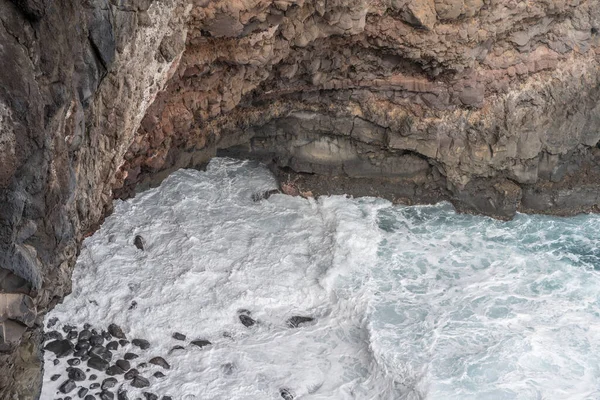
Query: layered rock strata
x=493, y=105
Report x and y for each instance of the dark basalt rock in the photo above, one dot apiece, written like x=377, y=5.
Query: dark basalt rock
x=96, y=340
x=139, y=242
x=296, y=320
x=82, y=392
x=68, y=328
x=132, y=373
x=114, y=370
x=56, y=361
x=53, y=335
x=83, y=345
x=161, y=362
x=67, y=386
x=123, y=364
x=94, y=385
x=114, y=345
x=150, y=396
x=72, y=335
x=116, y=331
x=106, y=395
x=54, y=377
x=200, y=343
x=89, y=397
x=108, y=383
x=73, y=361
x=140, y=382
x=61, y=348
x=166, y=398
x=130, y=356
x=246, y=320
x=123, y=342
x=52, y=322
x=141, y=343
x=97, y=363
x=76, y=374
x=93, y=377
x=175, y=348
x=178, y=336
x=286, y=394
x=122, y=394
x=159, y=374
x=85, y=335
x=101, y=352
x=106, y=335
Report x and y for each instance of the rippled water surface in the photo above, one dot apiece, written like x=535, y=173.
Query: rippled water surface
x=409, y=302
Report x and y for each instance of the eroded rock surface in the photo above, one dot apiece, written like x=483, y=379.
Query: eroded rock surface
x=493, y=105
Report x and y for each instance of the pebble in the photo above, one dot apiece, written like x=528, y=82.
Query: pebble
x=123, y=364
x=56, y=335
x=101, y=352
x=140, y=382
x=67, y=386
x=85, y=335
x=167, y=398
x=159, y=374
x=108, y=383
x=83, y=345
x=114, y=345
x=94, y=385
x=96, y=340
x=139, y=242
x=82, y=392
x=52, y=322
x=123, y=342
x=56, y=361
x=54, y=377
x=93, y=377
x=141, y=343
x=122, y=395
x=161, y=362
x=132, y=373
x=97, y=363
x=116, y=331
x=114, y=370
x=178, y=336
x=247, y=321
x=67, y=328
x=73, y=361
x=130, y=356
x=72, y=335
x=150, y=396
x=296, y=320
x=106, y=395
x=89, y=397
x=76, y=374
x=61, y=348
x=175, y=348
x=200, y=343
x=286, y=394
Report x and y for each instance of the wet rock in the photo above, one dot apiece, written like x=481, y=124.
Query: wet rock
x=150, y=396
x=296, y=320
x=83, y=345
x=114, y=345
x=286, y=394
x=56, y=361
x=76, y=374
x=61, y=348
x=122, y=394
x=166, y=398
x=141, y=343
x=53, y=335
x=94, y=385
x=52, y=322
x=133, y=305
x=140, y=382
x=85, y=357
x=73, y=361
x=130, y=356
x=123, y=364
x=178, y=336
x=80, y=353
x=97, y=363
x=101, y=352
x=87, y=327
x=82, y=392
x=85, y=335
x=54, y=377
x=246, y=320
x=159, y=374
x=106, y=335
x=67, y=386
x=161, y=362
x=89, y=397
x=106, y=395
x=114, y=370
x=96, y=340
x=116, y=331
x=67, y=328
x=132, y=373
x=142, y=365
x=72, y=335
x=200, y=343
x=175, y=348
x=108, y=383
x=139, y=242
x=123, y=342
x=93, y=377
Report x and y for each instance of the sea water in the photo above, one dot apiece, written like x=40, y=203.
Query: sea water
x=408, y=302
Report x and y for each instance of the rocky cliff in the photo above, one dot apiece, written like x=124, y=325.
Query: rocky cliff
x=493, y=105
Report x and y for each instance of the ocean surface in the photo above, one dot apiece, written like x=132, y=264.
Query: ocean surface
x=408, y=302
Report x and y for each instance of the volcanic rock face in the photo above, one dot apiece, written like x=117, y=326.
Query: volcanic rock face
x=493, y=105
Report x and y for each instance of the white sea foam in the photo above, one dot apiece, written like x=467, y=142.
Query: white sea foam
x=409, y=302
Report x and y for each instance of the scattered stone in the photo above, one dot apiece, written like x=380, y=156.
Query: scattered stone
x=73, y=361
x=133, y=305
x=142, y=365
x=246, y=320
x=167, y=398
x=200, y=343
x=296, y=320
x=80, y=353
x=228, y=368
x=67, y=386
x=161, y=362
x=85, y=357
x=84, y=335
x=87, y=327
x=96, y=340
x=56, y=361
x=106, y=395
x=106, y=335
x=114, y=370
x=175, y=348
x=139, y=242
x=67, y=328
x=83, y=345
x=114, y=345
x=101, y=352
x=52, y=322
x=123, y=342
x=123, y=364
x=76, y=374
x=150, y=396
x=116, y=331
x=94, y=385
x=132, y=373
x=54, y=377
x=53, y=335
x=159, y=374
x=141, y=343
x=72, y=335
x=286, y=394
x=97, y=363
x=178, y=336
x=122, y=394
x=93, y=377
x=61, y=348
x=130, y=356
x=82, y=392
x=140, y=382
x=108, y=383
x=89, y=397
